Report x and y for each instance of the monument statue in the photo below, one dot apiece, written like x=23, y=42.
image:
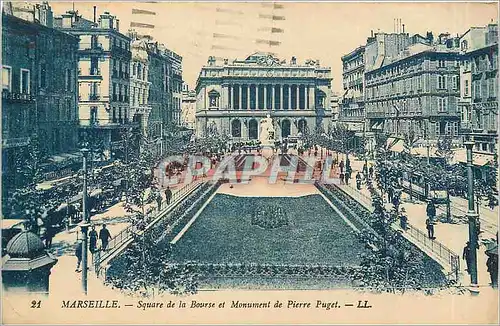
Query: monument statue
x=266, y=131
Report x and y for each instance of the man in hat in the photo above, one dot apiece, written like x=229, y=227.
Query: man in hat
x=78, y=254
x=492, y=265
x=403, y=219
x=467, y=256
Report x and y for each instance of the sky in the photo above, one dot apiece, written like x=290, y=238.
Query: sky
x=318, y=30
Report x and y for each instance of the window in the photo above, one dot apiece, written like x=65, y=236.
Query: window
x=43, y=75
x=67, y=84
x=25, y=81
x=493, y=89
x=7, y=78
x=466, y=88
x=441, y=64
x=441, y=82
x=442, y=104
x=456, y=82
x=464, y=45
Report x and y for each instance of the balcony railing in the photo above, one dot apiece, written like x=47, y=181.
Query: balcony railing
x=93, y=46
x=94, y=97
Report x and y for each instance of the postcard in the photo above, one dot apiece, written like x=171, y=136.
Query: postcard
x=249, y=162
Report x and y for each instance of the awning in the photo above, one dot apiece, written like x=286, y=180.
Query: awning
x=11, y=223
x=460, y=156
x=95, y=192
x=378, y=126
x=422, y=152
x=395, y=144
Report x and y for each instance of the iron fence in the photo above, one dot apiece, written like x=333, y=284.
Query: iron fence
x=442, y=252
x=445, y=254
x=127, y=233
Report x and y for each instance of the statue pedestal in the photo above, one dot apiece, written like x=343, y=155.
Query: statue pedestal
x=267, y=151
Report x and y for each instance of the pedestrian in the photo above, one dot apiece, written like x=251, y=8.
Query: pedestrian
x=49, y=234
x=431, y=210
x=467, y=256
x=342, y=178
x=104, y=235
x=347, y=176
x=390, y=194
x=358, y=181
x=396, y=201
x=370, y=171
x=93, y=240
x=78, y=254
x=341, y=165
x=403, y=219
x=492, y=265
x=430, y=228
x=168, y=195
x=159, y=200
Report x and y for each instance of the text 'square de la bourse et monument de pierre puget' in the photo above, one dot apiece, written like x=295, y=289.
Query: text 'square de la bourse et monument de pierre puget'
x=240, y=97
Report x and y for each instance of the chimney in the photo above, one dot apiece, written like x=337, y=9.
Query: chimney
x=372, y=33
x=403, y=28
x=95, y=14
x=117, y=25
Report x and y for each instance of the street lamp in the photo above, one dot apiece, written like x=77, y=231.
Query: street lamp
x=85, y=222
x=472, y=217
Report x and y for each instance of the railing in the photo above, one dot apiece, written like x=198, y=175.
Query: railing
x=128, y=232
x=442, y=252
x=445, y=254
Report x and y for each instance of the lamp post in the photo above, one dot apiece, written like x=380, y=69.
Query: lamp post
x=85, y=222
x=472, y=217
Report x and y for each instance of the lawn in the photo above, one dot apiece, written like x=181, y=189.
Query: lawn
x=223, y=233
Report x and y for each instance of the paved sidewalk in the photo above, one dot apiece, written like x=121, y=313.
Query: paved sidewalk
x=64, y=279
x=453, y=236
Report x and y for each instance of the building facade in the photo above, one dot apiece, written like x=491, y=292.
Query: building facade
x=149, y=88
x=176, y=87
x=39, y=94
x=417, y=92
x=231, y=98
x=352, y=110
x=479, y=87
x=188, y=117
x=103, y=76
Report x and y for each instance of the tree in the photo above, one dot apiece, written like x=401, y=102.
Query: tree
x=24, y=197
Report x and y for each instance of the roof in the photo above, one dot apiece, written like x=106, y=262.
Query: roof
x=25, y=245
x=460, y=156
x=10, y=263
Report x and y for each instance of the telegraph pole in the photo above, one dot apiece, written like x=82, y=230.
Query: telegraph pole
x=85, y=223
x=472, y=217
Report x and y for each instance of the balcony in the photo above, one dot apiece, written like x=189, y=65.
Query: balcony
x=94, y=97
x=17, y=97
x=116, y=50
x=94, y=73
x=93, y=47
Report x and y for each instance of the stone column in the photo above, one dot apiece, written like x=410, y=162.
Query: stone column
x=248, y=97
x=281, y=96
x=289, y=97
x=265, y=97
x=306, y=97
x=239, y=98
x=273, y=91
x=312, y=103
x=257, y=97
x=298, y=97
x=231, y=104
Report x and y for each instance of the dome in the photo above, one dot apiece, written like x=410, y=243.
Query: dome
x=25, y=245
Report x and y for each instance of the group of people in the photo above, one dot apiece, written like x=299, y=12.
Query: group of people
x=103, y=235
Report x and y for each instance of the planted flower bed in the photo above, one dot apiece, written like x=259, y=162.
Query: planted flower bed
x=270, y=216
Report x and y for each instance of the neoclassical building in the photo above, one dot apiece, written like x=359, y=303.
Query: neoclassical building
x=232, y=98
